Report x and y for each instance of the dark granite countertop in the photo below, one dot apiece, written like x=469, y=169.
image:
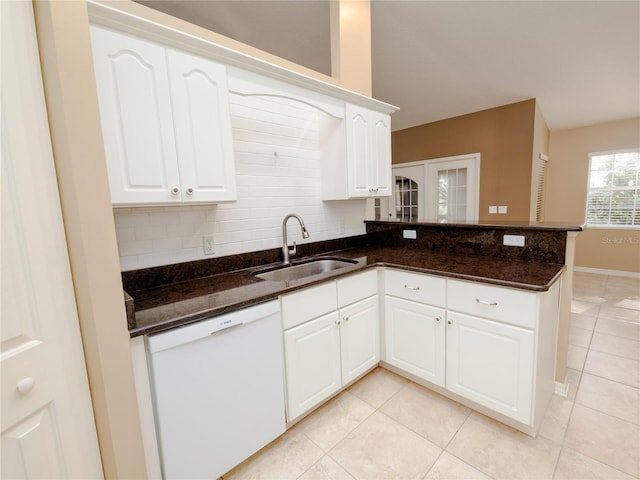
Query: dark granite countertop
x=161, y=298
x=168, y=306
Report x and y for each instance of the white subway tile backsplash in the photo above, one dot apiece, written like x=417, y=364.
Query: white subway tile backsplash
x=277, y=156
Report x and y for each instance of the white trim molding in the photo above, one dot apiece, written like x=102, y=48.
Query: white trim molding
x=604, y=271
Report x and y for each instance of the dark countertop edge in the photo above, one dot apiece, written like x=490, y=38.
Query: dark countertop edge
x=215, y=311
x=494, y=226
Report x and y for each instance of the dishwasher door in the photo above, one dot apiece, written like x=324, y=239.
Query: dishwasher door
x=218, y=391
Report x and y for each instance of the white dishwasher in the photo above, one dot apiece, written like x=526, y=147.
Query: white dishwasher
x=218, y=390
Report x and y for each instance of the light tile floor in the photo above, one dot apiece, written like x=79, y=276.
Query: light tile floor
x=385, y=427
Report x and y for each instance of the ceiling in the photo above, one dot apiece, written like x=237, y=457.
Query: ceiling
x=440, y=59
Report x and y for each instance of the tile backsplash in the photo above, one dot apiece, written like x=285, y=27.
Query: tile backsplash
x=277, y=159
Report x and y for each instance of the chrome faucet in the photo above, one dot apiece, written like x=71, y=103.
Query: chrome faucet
x=286, y=252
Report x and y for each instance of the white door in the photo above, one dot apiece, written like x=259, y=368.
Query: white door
x=202, y=122
x=452, y=188
x=359, y=338
x=415, y=338
x=137, y=121
x=491, y=363
x=48, y=429
x=312, y=363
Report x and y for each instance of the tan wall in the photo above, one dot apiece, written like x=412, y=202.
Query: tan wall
x=63, y=38
x=540, y=146
x=504, y=138
x=566, y=193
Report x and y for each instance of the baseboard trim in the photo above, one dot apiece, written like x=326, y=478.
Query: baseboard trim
x=562, y=389
x=604, y=271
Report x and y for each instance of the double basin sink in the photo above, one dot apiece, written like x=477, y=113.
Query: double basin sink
x=304, y=269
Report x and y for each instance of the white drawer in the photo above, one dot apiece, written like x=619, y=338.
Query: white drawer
x=509, y=305
x=415, y=286
x=357, y=287
x=299, y=307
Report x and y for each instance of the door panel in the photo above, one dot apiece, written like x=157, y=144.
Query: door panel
x=360, y=345
x=203, y=132
x=137, y=122
x=48, y=429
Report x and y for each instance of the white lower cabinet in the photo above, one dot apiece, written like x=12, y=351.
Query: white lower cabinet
x=494, y=346
x=312, y=365
x=415, y=338
x=331, y=338
x=491, y=363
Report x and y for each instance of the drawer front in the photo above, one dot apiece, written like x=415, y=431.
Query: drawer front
x=307, y=304
x=509, y=305
x=416, y=287
x=357, y=287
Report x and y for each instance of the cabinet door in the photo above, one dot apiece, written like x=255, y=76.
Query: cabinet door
x=380, y=171
x=358, y=128
x=491, y=363
x=415, y=338
x=202, y=123
x=312, y=361
x=137, y=123
x=359, y=338
x=368, y=152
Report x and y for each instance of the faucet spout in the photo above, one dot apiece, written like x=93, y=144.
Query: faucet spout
x=286, y=251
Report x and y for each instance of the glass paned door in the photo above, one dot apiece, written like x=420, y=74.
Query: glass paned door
x=452, y=194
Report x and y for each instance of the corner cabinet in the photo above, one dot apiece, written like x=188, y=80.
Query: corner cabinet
x=331, y=338
x=165, y=120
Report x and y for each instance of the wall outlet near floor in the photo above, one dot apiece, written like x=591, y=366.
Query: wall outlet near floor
x=207, y=245
x=411, y=234
x=493, y=209
x=502, y=209
x=513, y=240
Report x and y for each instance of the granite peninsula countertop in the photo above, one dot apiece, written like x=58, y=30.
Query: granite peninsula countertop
x=187, y=298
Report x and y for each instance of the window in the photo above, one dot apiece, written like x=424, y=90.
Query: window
x=612, y=197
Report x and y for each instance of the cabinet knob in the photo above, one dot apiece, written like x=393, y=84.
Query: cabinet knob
x=175, y=191
x=450, y=322
x=338, y=321
x=438, y=319
x=190, y=191
x=25, y=385
x=346, y=319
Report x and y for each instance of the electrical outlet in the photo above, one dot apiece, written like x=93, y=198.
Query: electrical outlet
x=411, y=234
x=493, y=209
x=207, y=245
x=513, y=240
x=502, y=209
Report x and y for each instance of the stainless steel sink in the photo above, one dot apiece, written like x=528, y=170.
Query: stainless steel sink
x=289, y=273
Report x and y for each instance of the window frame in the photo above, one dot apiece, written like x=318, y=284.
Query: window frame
x=636, y=207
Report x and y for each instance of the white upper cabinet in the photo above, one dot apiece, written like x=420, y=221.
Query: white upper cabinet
x=356, y=160
x=368, y=152
x=165, y=120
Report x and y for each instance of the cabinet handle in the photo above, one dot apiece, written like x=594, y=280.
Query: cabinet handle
x=190, y=191
x=338, y=321
x=175, y=191
x=415, y=289
x=484, y=302
x=450, y=322
x=438, y=319
x=346, y=319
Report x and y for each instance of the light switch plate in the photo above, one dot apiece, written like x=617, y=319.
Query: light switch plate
x=502, y=209
x=493, y=209
x=411, y=234
x=513, y=240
